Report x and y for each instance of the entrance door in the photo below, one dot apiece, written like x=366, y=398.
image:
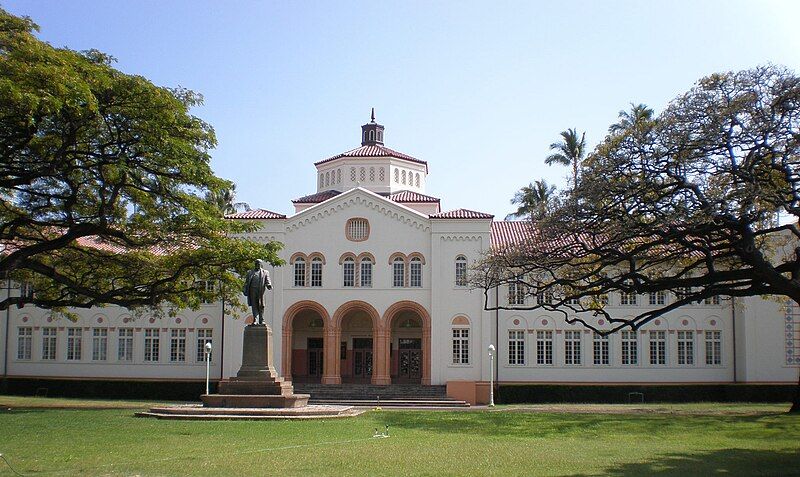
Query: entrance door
x=314, y=349
x=362, y=360
x=410, y=360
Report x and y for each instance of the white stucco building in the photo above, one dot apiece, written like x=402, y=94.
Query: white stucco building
x=374, y=290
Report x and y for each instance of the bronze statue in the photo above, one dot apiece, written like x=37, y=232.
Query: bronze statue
x=256, y=284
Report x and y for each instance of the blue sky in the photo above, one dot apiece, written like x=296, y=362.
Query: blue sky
x=477, y=89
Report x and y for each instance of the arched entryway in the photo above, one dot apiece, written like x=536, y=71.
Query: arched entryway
x=303, y=344
x=408, y=343
x=358, y=334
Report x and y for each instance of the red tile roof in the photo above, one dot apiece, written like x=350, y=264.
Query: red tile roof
x=509, y=232
x=461, y=214
x=373, y=151
x=256, y=214
x=411, y=197
x=316, y=198
x=97, y=243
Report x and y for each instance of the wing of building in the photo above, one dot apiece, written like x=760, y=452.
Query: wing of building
x=374, y=291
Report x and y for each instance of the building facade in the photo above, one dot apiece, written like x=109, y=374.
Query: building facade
x=374, y=290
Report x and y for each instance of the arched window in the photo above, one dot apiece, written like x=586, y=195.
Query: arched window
x=348, y=272
x=460, y=332
x=327, y=179
x=372, y=174
x=352, y=174
x=403, y=175
x=299, y=272
x=380, y=136
x=321, y=179
x=461, y=271
x=397, y=175
x=381, y=175
x=366, y=272
x=372, y=135
x=416, y=179
x=398, y=272
x=416, y=272
x=362, y=174
x=338, y=176
x=316, y=272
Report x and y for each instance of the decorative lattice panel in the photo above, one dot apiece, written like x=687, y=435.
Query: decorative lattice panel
x=792, y=334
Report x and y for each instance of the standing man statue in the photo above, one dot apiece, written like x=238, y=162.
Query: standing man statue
x=255, y=285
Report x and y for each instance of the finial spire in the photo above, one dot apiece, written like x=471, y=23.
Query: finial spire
x=372, y=132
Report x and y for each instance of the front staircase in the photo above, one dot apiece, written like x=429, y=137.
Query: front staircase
x=370, y=395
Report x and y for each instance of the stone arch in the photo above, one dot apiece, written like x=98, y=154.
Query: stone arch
x=349, y=306
x=416, y=255
x=297, y=255
x=388, y=317
x=364, y=255
x=286, y=332
x=378, y=341
x=314, y=255
x=460, y=320
x=203, y=321
x=395, y=255
x=345, y=256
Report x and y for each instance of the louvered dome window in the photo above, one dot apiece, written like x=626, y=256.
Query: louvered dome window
x=357, y=229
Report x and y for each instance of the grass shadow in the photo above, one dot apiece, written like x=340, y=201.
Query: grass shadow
x=721, y=462
x=540, y=425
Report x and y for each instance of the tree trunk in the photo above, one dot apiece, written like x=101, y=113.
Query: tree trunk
x=796, y=402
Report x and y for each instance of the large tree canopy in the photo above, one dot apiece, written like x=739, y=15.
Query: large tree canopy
x=102, y=184
x=685, y=203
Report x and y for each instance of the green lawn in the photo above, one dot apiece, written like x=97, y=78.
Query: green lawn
x=514, y=440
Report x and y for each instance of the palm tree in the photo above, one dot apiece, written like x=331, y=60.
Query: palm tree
x=533, y=200
x=571, y=152
x=225, y=201
x=638, y=114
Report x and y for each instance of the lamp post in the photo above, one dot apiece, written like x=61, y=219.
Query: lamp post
x=491, y=375
x=208, y=363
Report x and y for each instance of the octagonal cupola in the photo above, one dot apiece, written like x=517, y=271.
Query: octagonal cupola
x=372, y=132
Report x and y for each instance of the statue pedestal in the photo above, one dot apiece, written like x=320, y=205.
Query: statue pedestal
x=257, y=384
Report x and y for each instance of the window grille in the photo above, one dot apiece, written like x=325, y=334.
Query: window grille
x=24, y=343
x=600, y=345
x=125, y=344
x=460, y=345
x=461, y=271
x=366, y=273
x=713, y=348
x=177, y=346
x=658, y=348
x=74, y=336
x=349, y=271
x=630, y=352
x=203, y=336
x=99, y=344
x=516, y=347
x=572, y=347
x=685, y=348
x=544, y=348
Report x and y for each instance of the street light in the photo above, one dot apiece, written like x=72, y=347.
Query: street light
x=208, y=362
x=491, y=375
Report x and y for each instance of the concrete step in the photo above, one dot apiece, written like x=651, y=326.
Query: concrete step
x=395, y=403
x=371, y=392
x=198, y=412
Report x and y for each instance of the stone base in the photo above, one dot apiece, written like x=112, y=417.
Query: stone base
x=254, y=400
x=200, y=413
x=277, y=387
x=256, y=385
